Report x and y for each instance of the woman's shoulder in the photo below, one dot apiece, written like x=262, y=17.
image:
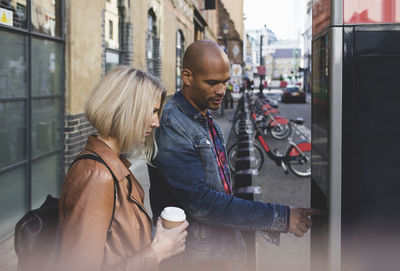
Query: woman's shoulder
x=84, y=171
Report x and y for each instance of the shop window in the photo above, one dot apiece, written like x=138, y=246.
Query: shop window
x=13, y=13
x=31, y=106
x=45, y=17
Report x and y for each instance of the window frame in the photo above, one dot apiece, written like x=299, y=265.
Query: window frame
x=29, y=34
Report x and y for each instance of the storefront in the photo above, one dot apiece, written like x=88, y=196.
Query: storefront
x=31, y=106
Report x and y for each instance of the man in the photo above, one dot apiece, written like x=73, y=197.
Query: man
x=191, y=171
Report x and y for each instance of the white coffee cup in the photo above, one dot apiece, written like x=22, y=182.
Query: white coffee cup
x=172, y=217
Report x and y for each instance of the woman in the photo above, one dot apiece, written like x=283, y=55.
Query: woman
x=124, y=107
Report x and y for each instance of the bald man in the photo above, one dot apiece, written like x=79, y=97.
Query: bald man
x=191, y=172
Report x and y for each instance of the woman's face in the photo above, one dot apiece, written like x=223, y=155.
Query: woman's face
x=154, y=122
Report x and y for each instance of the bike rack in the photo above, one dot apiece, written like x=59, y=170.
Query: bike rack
x=244, y=175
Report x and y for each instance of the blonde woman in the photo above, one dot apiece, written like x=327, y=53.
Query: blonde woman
x=124, y=107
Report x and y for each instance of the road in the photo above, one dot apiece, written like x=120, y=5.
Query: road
x=293, y=253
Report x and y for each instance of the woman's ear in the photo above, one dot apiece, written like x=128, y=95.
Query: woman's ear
x=187, y=77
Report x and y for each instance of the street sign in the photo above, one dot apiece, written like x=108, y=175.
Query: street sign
x=261, y=70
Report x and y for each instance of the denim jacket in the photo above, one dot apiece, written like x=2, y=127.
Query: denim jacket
x=186, y=175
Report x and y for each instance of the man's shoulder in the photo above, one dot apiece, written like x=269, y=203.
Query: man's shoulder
x=172, y=112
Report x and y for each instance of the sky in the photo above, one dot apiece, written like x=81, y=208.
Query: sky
x=277, y=15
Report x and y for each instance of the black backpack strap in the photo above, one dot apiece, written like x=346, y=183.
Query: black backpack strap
x=98, y=159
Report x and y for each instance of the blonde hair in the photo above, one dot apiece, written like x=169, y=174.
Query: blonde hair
x=121, y=106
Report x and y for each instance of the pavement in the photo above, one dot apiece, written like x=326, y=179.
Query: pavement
x=292, y=254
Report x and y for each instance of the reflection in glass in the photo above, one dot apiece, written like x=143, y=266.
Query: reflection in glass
x=12, y=133
x=46, y=67
x=46, y=178
x=46, y=17
x=13, y=13
x=12, y=65
x=46, y=126
x=12, y=199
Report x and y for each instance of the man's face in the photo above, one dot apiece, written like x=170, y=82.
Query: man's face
x=208, y=87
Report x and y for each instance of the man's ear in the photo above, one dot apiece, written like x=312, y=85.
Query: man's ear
x=187, y=77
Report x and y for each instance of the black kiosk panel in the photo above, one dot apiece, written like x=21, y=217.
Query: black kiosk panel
x=370, y=163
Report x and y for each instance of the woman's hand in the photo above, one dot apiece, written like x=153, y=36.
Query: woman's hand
x=169, y=242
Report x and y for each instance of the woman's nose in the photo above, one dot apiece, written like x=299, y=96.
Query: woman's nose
x=155, y=122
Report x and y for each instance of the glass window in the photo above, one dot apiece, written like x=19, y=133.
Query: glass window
x=110, y=29
x=12, y=133
x=179, y=58
x=112, y=60
x=13, y=13
x=151, y=43
x=12, y=199
x=46, y=17
x=46, y=67
x=151, y=32
x=46, y=126
x=12, y=65
x=46, y=178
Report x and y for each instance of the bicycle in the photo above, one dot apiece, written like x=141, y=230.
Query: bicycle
x=297, y=157
x=278, y=127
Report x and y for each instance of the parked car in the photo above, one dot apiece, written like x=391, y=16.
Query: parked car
x=293, y=93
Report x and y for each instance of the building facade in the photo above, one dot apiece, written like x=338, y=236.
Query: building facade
x=54, y=52
x=283, y=63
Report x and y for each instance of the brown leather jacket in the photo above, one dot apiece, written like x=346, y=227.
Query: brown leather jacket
x=85, y=212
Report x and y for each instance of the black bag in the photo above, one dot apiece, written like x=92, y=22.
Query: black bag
x=37, y=234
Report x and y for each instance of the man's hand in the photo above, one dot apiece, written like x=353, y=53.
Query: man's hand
x=299, y=220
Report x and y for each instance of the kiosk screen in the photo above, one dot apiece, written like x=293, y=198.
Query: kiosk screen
x=320, y=110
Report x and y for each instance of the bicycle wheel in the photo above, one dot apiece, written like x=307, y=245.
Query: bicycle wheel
x=299, y=162
x=257, y=163
x=236, y=127
x=281, y=131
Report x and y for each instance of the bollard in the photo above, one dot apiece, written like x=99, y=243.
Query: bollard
x=244, y=163
x=244, y=177
x=249, y=193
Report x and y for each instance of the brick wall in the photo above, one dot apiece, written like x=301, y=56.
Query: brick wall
x=77, y=129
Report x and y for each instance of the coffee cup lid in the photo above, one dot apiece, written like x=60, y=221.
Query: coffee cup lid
x=174, y=214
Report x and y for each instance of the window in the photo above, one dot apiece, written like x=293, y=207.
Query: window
x=179, y=58
x=46, y=17
x=110, y=29
x=113, y=19
x=31, y=107
x=112, y=59
x=13, y=14
x=152, y=45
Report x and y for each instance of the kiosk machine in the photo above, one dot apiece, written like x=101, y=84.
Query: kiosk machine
x=356, y=135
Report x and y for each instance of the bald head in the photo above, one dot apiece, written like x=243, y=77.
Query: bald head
x=202, y=54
